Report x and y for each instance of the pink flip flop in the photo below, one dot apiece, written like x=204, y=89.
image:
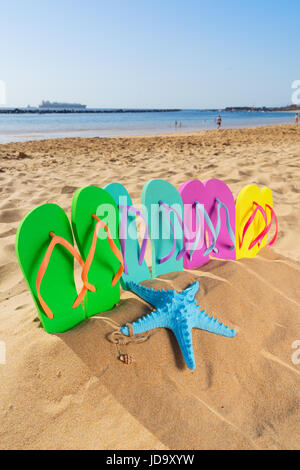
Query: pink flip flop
x=220, y=206
x=196, y=223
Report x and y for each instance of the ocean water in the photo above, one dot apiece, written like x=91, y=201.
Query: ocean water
x=21, y=127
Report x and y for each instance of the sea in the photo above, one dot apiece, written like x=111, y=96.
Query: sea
x=24, y=127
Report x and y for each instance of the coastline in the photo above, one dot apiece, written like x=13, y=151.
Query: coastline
x=50, y=382
x=262, y=131
x=35, y=127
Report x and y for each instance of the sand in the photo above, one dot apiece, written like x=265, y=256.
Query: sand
x=70, y=391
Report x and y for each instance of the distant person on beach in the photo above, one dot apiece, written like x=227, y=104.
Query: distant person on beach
x=175, y=124
x=297, y=118
x=219, y=122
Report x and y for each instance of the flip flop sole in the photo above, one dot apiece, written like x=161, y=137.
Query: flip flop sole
x=160, y=232
x=58, y=287
x=136, y=272
x=86, y=202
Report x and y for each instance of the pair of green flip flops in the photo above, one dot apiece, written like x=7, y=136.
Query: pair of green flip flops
x=45, y=250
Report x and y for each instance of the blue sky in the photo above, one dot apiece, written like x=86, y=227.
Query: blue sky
x=150, y=53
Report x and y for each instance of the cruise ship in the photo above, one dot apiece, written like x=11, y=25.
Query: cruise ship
x=55, y=105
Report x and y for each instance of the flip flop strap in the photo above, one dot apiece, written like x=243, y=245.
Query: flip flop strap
x=91, y=254
x=43, y=267
x=228, y=226
x=200, y=207
x=268, y=227
x=249, y=222
x=167, y=209
x=125, y=210
x=273, y=217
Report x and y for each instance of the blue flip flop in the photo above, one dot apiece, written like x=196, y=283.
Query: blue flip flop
x=135, y=267
x=163, y=209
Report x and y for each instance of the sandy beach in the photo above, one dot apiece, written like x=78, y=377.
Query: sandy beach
x=70, y=391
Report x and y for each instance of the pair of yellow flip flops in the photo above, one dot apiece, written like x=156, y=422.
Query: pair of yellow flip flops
x=254, y=218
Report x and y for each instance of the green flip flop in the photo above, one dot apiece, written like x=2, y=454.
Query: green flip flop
x=45, y=251
x=99, y=246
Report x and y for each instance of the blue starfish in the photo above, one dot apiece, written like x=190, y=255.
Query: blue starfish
x=178, y=312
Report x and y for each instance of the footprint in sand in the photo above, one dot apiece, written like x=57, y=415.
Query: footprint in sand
x=264, y=180
x=10, y=203
x=11, y=215
x=8, y=233
x=210, y=167
x=280, y=188
x=246, y=172
x=69, y=189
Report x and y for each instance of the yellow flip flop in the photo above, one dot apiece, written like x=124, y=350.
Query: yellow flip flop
x=254, y=216
x=267, y=199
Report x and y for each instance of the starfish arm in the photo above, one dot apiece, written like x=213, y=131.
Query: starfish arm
x=211, y=324
x=157, y=298
x=157, y=319
x=184, y=338
x=191, y=291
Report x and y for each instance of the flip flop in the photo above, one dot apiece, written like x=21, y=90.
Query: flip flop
x=220, y=206
x=135, y=267
x=254, y=217
x=267, y=199
x=45, y=251
x=99, y=245
x=196, y=223
x=163, y=208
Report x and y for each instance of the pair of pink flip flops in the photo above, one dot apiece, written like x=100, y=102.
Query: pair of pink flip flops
x=209, y=221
